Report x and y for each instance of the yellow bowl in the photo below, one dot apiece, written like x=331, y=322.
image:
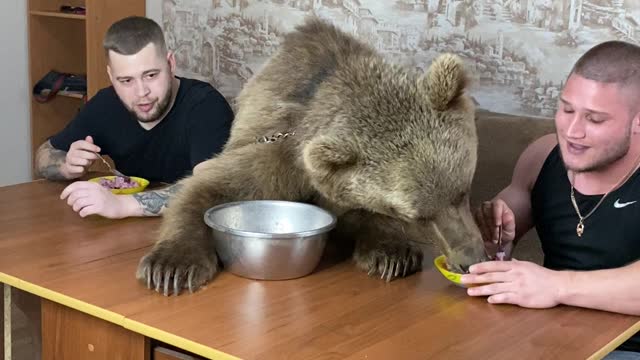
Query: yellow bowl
x=143, y=183
x=441, y=264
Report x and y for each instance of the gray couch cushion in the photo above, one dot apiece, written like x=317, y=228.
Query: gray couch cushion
x=502, y=138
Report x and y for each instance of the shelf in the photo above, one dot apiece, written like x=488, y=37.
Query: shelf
x=72, y=95
x=57, y=14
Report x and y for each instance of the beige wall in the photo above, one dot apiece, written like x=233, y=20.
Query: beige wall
x=518, y=50
x=154, y=10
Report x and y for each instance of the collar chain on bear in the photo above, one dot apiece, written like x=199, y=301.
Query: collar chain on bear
x=275, y=137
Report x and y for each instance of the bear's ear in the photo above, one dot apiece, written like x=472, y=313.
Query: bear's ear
x=444, y=82
x=325, y=155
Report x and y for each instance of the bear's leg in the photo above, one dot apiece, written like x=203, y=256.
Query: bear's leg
x=184, y=255
x=384, y=246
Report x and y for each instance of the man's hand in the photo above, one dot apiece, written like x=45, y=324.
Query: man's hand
x=497, y=225
x=88, y=198
x=516, y=282
x=81, y=155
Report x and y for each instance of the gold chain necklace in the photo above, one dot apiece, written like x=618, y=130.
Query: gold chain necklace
x=580, y=226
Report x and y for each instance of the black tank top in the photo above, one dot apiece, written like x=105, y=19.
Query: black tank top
x=611, y=237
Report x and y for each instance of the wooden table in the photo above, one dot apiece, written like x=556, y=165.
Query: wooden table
x=93, y=307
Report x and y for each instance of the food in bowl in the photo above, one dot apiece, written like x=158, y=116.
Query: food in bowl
x=119, y=182
x=441, y=264
x=121, y=186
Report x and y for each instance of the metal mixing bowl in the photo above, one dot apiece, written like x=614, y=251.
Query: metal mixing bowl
x=269, y=239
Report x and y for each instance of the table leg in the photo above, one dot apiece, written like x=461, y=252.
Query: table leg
x=7, y=321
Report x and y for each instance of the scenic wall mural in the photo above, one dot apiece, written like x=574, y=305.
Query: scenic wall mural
x=518, y=51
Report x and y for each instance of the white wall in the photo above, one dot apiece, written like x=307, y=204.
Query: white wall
x=154, y=10
x=15, y=148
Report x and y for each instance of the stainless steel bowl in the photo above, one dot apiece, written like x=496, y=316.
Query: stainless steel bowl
x=269, y=239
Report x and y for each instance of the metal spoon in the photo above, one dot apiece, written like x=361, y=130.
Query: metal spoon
x=114, y=171
x=501, y=253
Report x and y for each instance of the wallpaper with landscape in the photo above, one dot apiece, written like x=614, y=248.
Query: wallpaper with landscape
x=519, y=51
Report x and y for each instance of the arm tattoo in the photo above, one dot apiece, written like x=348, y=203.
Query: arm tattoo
x=49, y=160
x=154, y=202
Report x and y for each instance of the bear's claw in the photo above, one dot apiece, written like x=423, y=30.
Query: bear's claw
x=168, y=274
x=390, y=263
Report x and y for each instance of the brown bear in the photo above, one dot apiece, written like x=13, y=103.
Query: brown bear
x=392, y=154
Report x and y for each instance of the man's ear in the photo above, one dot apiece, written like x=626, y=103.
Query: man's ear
x=109, y=72
x=635, y=123
x=172, y=61
x=326, y=155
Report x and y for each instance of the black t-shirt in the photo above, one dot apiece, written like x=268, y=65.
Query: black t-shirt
x=611, y=237
x=195, y=129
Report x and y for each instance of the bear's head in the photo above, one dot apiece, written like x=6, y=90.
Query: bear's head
x=403, y=147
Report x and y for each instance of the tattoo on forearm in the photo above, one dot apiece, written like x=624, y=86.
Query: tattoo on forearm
x=154, y=202
x=49, y=160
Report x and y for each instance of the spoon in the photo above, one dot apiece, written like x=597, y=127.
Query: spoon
x=114, y=171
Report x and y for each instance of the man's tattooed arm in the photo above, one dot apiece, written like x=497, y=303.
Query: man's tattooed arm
x=49, y=161
x=154, y=202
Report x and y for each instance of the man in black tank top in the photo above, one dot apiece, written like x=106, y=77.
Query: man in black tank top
x=580, y=189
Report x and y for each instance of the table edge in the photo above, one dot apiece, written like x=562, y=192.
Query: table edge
x=117, y=319
x=617, y=341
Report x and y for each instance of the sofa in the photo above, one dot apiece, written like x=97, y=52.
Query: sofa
x=502, y=138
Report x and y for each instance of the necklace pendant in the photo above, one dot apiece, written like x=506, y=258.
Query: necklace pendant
x=580, y=228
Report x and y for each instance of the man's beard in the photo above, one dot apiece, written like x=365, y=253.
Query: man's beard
x=612, y=154
x=160, y=108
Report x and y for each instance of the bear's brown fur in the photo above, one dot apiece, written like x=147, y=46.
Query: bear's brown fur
x=393, y=155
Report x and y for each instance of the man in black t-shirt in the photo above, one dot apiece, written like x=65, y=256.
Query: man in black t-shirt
x=152, y=123
x=580, y=188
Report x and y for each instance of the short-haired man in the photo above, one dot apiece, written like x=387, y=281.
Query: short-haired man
x=152, y=123
x=580, y=188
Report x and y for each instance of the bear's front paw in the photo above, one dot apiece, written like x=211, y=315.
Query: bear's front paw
x=390, y=261
x=167, y=269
